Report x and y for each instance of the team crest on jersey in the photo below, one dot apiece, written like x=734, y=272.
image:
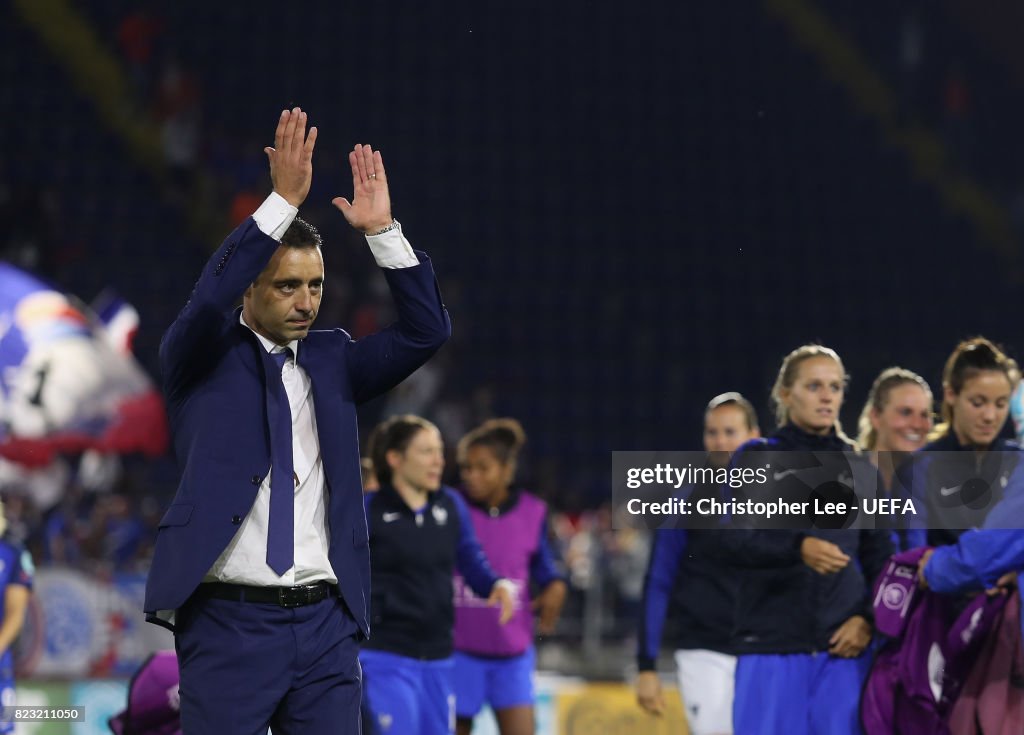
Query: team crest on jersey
x=894, y=596
x=440, y=515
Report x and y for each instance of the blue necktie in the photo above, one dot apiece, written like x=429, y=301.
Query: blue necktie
x=281, y=530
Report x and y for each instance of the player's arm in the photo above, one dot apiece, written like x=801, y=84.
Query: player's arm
x=662, y=570
x=543, y=565
x=15, y=604
x=977, y=561
x=553, y=589
x=17, y=589
x=853, y=636
x=744, y=545
x=981, y=557
x=470, y=558
x=473, y=565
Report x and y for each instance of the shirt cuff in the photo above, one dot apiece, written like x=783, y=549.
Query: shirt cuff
x=392, y=250
x=274, y=216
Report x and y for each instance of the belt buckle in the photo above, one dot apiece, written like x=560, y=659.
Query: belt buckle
x=292, y=596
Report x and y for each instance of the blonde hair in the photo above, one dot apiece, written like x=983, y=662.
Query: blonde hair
x=878, y=397
x=787, y=376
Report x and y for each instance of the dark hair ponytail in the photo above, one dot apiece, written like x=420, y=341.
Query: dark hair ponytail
x=972, y=356
x=394, y=434
x=505, y=437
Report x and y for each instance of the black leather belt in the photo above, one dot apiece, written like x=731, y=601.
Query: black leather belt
x=305, y=594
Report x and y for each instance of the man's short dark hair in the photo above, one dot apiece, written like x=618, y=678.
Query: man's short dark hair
x=301, y=234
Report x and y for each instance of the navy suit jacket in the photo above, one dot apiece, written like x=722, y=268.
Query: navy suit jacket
x=214, y=381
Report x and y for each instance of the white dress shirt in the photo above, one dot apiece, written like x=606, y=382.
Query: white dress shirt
x=244, y=561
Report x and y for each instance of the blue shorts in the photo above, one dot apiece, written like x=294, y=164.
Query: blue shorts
x=499, y=682
x=406, y=695
x=799, y=694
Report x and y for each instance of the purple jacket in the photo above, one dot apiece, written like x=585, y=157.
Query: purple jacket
x=153, y=704
x=918, y=674
x=992, y=701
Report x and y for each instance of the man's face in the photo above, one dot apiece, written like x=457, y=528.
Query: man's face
x=285, y=298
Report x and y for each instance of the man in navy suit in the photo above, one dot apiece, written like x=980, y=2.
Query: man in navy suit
x=261, y=564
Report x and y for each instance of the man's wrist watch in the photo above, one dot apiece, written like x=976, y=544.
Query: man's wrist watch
x=395, y=224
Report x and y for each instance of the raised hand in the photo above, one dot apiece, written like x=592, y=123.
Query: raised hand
x=291, y=158
x=370, y=208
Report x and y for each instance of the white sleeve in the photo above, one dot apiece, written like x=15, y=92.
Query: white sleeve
x=274, y=216
x=392, y=250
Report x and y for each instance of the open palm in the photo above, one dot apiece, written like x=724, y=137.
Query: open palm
x=370, y=208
